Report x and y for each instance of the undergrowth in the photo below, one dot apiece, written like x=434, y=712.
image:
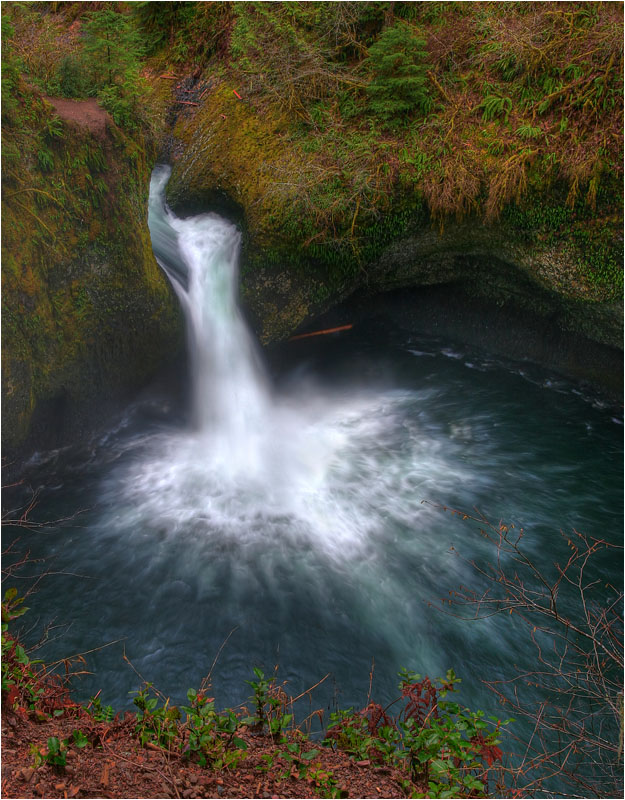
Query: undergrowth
x=437, y=747
x=372, y=111
x=380, y=110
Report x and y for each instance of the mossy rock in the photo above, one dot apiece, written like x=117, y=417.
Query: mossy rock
x=89, y=317
x=240, y=157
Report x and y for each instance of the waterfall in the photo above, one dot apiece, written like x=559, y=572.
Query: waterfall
x=230, y=394
x=292, y=512
x=310, y=466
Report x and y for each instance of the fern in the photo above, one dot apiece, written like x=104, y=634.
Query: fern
x=54, y=127
x=45, y=160
x=527, y=131
x=494, y=106
x=509, y=67
x=496, y=148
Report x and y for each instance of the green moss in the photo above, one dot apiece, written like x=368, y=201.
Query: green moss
x=537, y=218
x=85, y=306
x=601, y=258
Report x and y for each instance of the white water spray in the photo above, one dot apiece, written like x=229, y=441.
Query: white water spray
x=309, y=467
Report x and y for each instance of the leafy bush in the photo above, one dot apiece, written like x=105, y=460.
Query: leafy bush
x=270, y=702
x=442, y=747
x=19, y=673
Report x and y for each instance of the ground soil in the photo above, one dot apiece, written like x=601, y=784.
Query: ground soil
x=85, y=113
x=114, y=764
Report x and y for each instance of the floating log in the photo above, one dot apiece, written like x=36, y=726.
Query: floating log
x=321, y=333
x=187, y=103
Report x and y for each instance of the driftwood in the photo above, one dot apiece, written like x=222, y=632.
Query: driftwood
x=320, y=333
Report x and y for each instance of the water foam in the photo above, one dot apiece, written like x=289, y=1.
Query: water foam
x=326, y=470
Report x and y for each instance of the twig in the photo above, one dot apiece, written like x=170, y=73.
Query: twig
x=299, y=696
x=206, y=681
x=84, y=652
x=370, y=680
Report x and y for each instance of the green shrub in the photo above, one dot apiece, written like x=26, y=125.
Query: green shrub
x=437, y=743
x=71, y=77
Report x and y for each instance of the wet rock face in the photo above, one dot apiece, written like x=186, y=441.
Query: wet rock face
x=88, y=317
x=229, y=158
x=490, y=265
x=471, y=283
x=484, y=261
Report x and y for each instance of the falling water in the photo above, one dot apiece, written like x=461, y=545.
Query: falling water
x=261, y=468
x=231, y=399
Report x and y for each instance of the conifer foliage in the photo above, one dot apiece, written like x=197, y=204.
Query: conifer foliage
x=398, y=63
x=111, y=46
x=112, y=52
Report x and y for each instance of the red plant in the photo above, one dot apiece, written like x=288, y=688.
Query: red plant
x=376, y=717
x=422, y=700
x=489, y=752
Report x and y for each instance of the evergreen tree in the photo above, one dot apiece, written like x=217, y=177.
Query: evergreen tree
x=159, y=21
x=111, y=47
x=10, y=72
x=111, y=55
x=398, y=85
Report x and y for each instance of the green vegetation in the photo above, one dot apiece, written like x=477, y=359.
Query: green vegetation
x=433, y=745
x=77, y=261
x=440, y=748
x=380, y=107
x=181, y=32
x=99, y=712
x=436, y=742
x=110, y=58
x=353, y=125
x=111, y=47
x=361, y=110
x=17, y=670
x=398, y=86
x=55, y=751
x=100, y=56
